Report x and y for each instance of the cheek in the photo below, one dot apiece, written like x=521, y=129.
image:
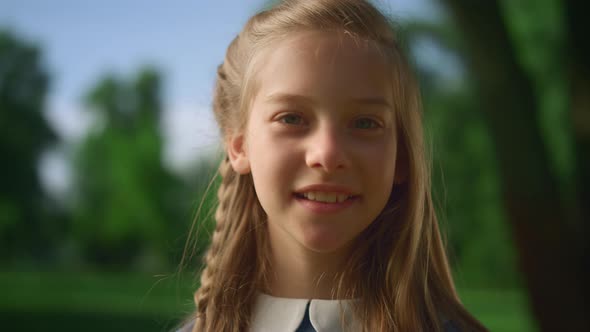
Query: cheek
x=378, y=163
x=272, y=165
x=269, y=155
x=378, y=155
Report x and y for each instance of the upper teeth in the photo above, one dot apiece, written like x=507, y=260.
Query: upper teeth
x=325, y=197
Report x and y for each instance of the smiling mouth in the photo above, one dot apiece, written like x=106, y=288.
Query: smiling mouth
x=325, y=197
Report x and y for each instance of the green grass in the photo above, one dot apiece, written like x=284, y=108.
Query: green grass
x=130, y=302
x=92, y=302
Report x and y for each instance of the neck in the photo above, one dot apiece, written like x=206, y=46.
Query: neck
x=298, y=272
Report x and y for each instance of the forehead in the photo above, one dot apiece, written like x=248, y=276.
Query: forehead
x=329, y=66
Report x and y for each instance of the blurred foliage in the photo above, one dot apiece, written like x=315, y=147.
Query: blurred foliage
x=27, y=222
x=537, y=31
x=125, y=210
x=127, y=207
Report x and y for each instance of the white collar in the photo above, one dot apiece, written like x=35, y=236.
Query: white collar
x=278, y=314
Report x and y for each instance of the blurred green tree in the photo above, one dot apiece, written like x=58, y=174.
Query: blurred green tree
x=24, y=134
x=128, y=207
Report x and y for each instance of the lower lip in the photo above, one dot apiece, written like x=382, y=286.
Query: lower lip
x=321, y=207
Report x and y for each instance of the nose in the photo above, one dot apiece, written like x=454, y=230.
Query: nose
x=327, y=150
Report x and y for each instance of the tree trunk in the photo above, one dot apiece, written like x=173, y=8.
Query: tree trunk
x=579, y=74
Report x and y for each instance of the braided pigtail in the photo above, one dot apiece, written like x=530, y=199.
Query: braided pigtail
x=202, y=295
x=230, y=279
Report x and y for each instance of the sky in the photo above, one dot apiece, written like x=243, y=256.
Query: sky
x=185, y=40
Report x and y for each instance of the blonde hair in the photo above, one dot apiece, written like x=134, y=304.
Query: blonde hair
x=399, y=270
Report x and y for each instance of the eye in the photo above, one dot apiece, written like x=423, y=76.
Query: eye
x=291, y=119
x=366, y=123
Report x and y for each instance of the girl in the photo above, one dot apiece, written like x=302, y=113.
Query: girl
x=325, y=220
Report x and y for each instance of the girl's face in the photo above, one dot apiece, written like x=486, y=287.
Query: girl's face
x=320, y=140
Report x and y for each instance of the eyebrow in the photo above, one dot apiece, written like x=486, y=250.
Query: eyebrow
x=297, y=98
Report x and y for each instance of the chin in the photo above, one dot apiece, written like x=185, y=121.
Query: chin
x=324, y=243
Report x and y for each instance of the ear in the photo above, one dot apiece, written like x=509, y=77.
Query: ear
x=236, y=151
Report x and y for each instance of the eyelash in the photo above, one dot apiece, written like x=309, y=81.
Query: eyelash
x=374, y=124
x=283, y=118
